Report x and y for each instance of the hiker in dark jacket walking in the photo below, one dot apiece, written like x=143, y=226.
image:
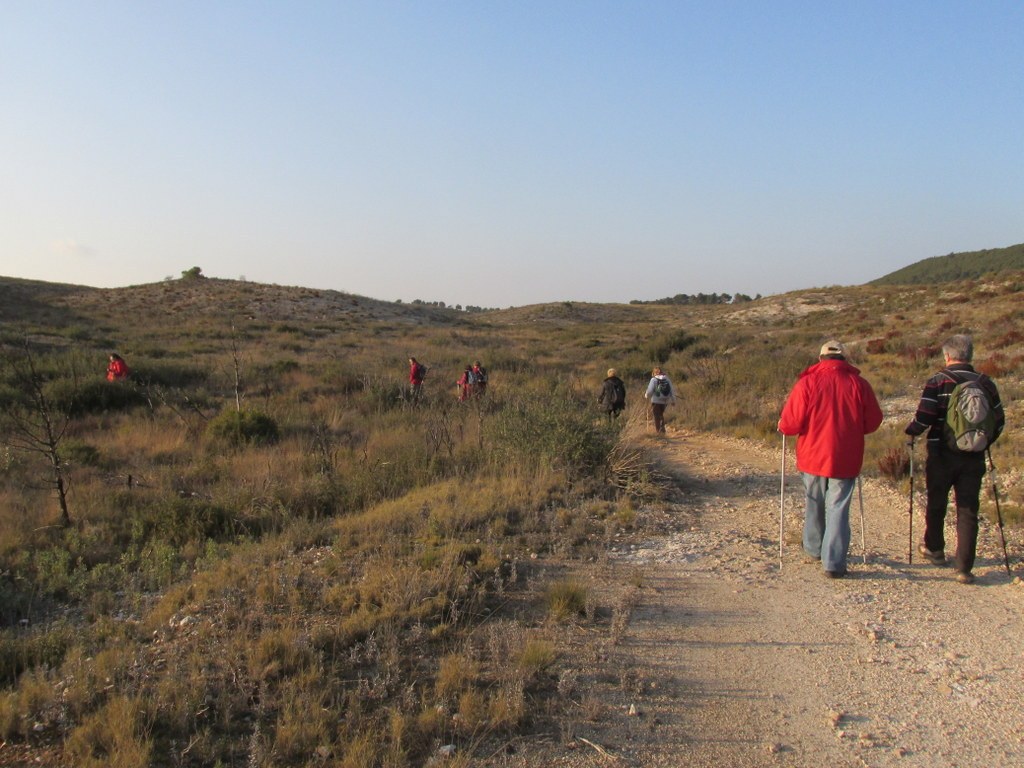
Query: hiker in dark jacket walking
x=947, y=467
x=613, y=395
x=478, y=378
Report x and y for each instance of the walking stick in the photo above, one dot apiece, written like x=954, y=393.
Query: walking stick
x=782, y=499
x=860, y=496
x=910, y=546
x=999, y=514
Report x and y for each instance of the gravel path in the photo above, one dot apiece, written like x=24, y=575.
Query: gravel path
x=728, y=661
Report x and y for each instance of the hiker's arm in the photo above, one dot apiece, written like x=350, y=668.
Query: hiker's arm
x=927, y=410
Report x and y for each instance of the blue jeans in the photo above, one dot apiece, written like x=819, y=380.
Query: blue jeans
x=827, y=519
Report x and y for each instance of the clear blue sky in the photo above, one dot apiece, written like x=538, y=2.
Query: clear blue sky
x=507, y=153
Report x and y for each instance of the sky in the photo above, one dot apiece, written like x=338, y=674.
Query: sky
x=489, y=153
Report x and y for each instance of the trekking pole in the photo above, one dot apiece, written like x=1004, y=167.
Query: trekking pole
x=999, y=514
x=782, y=500
x=860, y=496
x=910, y=546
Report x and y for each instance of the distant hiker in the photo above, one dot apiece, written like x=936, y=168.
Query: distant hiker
x=117, y=370
x=831, y=408
x=661, y=393
x=949, y=465
x=613, y=395
x=479, y=378
x=465, y=384
x=416, y=373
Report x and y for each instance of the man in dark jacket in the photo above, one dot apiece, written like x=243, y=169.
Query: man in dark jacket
x=613, y=395
x=831, y=408
x=947, y=467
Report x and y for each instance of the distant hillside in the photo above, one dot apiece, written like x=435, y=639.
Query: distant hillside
x=956, y=266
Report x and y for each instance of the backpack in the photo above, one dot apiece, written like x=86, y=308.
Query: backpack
x=970, y=424
x=472, y=377
x=421, y=371
x=620, y=393
x=663, y=388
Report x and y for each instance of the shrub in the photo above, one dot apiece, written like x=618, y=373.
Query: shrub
x=97, y=396
x=238, y=428
x=554, y=433
x=894, y=464
x=662, y=347
x=21, y=652
x=566, y=599
x=116, y=736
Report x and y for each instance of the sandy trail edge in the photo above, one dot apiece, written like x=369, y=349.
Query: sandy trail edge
x=728, y=661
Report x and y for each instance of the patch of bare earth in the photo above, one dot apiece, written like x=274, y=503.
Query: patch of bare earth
x=722, y=659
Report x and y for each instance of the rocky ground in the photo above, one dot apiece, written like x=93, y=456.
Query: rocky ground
x=712, y=655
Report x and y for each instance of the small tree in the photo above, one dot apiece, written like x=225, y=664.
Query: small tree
x=195, y=273
x=34, y=423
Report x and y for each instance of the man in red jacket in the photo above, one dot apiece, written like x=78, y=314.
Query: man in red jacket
x=831, y=408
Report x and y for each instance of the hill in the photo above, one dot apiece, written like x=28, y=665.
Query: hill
x=956, y=266
x=272, y=553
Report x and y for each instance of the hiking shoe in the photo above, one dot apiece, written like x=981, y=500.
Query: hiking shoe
x=965, y=577
x=935, y=558
x=835, y=574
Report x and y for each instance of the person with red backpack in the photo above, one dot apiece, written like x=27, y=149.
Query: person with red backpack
x=952, y=465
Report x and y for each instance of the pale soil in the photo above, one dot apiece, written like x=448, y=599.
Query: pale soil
x=728, y=661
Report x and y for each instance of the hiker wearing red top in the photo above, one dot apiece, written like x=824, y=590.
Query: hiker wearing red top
x=831, y=408
x=117, y=370
x=465, y=384
x=416, y=373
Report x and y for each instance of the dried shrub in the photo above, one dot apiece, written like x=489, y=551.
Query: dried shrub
x=115, y=736
x=238, y=428
x=876, y=346
x=1008, y=339
x=894, y=464
x=997, y=365
x=565, y=599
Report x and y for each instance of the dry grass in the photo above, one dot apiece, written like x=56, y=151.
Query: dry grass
x=366, y=588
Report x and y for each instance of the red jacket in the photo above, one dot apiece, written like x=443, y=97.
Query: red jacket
x=415, y=373
x=831, y=408
x=117, y=370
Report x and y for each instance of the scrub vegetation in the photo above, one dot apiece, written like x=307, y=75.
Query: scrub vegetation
x=258, y=551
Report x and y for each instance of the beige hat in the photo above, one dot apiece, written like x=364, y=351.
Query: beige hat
x=832, y=348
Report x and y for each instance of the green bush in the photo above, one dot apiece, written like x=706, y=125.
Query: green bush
x=662, y=347
x=95, y=396
x=556, y=432
x=20, y=652
x=238, y=428
x=168, y=374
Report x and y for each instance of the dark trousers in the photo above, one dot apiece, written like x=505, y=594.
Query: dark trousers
x=962, y=472
x=658, y=411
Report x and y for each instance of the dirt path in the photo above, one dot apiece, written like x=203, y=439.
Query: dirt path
x=726, y=661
